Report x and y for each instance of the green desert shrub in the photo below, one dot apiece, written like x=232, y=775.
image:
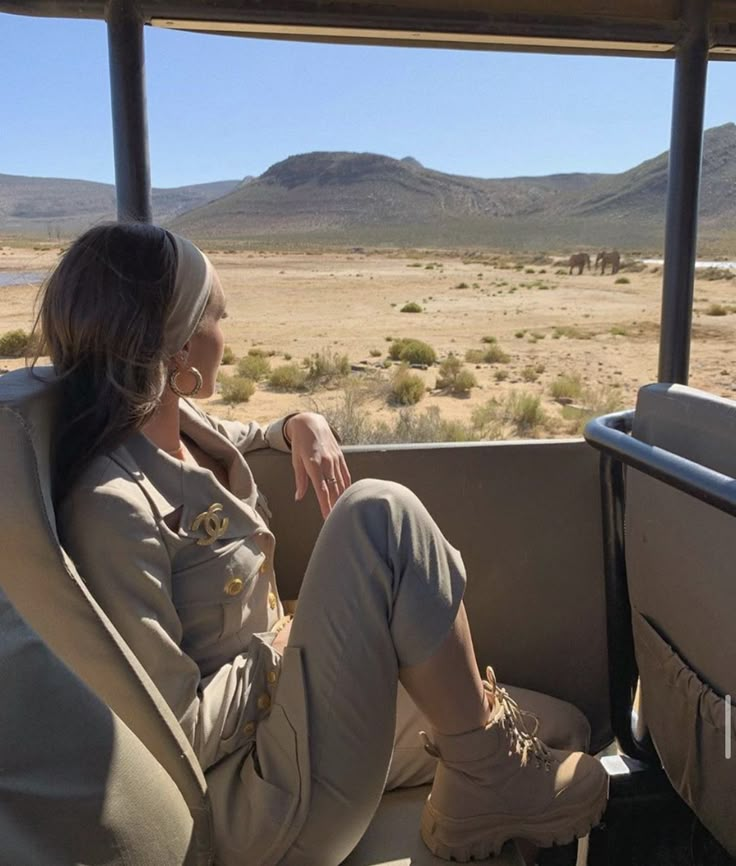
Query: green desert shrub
x=525, y=412
x=716, y=310
x=16, y=344
x=407, y=388
x=596, y=401
x=464, y=382
x=494, y=354
x=288, y=377
x=375, y=353
x=572, y=332
x=236, y=389
x=358, y=428
x=566, y=386
x=326, y=367
x=622, y=281
x=454, y=377
x=519, y=414
x=228, y=356
x=255, y=367
x=412, y=352
x=411, y=307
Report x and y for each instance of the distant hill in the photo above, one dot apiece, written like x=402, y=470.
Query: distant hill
x=642, y=190
x=323, y=192
x=367, y=198
x=338, y=198
x=50, y=206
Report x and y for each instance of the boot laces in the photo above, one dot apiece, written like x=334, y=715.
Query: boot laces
x=512, y=719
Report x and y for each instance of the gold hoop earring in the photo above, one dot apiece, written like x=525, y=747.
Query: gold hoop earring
x=198, y=382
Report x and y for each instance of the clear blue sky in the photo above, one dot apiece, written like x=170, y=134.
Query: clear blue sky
x=223, y=107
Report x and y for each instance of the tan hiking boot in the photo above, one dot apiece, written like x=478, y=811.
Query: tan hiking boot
x=502, y=782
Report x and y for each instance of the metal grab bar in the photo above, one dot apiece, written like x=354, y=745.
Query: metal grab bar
x=609, y=434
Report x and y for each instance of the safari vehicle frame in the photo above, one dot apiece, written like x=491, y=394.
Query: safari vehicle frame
x=691, y=32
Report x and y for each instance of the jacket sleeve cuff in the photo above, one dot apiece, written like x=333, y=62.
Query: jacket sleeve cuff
x=275, y=436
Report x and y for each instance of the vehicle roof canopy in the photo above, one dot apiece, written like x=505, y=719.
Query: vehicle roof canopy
x=624, y=28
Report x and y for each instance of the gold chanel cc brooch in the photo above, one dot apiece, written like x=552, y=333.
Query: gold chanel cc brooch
x=213, y=524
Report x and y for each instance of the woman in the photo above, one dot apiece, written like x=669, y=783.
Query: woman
x=294, y=721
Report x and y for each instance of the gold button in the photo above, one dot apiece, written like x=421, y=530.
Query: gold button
x=264, y=568
x=234, y=586
x=264, y=702
x=272, y=676
x=271, y=600
x=249, y=729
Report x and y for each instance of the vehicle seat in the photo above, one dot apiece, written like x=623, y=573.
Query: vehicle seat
x=94, y=764
x=679, y=558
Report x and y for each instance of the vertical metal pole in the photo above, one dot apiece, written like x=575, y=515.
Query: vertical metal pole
x=683, y=185
x=129, y=123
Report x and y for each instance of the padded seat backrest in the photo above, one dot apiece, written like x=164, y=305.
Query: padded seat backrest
x=60, y=620
x=76, y=785
x=680, y=555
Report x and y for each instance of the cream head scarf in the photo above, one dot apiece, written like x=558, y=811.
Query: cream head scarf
x=192, y=287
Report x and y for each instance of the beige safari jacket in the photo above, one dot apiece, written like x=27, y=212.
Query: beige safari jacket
x=184, y=569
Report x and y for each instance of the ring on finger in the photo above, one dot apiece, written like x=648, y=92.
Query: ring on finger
x=331, y=480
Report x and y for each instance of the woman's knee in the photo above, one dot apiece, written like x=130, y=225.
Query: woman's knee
x=384, y=511
x=368, y=493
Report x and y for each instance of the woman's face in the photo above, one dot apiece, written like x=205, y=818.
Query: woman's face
x=207, y=344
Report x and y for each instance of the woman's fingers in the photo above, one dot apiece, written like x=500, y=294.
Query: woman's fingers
x=316, y=476
x=345, y=472
x=301, y=478
x=336, y=475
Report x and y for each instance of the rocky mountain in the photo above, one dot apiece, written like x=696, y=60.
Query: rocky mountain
x=326, y=191
x=56, y=206
x=641, y=191
x=366, y=198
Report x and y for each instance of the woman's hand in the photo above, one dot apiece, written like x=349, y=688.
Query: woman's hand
x=316, y=457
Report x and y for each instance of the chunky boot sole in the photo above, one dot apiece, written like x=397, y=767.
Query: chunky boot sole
x=483, y=836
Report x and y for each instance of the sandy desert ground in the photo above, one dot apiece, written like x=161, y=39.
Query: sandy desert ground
x=599, y=328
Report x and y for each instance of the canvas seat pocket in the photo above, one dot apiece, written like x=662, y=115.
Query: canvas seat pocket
x=687, y=720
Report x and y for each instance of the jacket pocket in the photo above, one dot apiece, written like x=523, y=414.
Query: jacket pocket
x=688, y=724
x=210, y=596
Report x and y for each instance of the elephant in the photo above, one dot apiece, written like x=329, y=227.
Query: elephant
x=605, y=258
x=579, y=261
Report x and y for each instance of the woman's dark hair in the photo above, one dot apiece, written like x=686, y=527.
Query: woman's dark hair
x=101, y=319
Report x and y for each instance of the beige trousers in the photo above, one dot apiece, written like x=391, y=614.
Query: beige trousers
x=381, y=591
